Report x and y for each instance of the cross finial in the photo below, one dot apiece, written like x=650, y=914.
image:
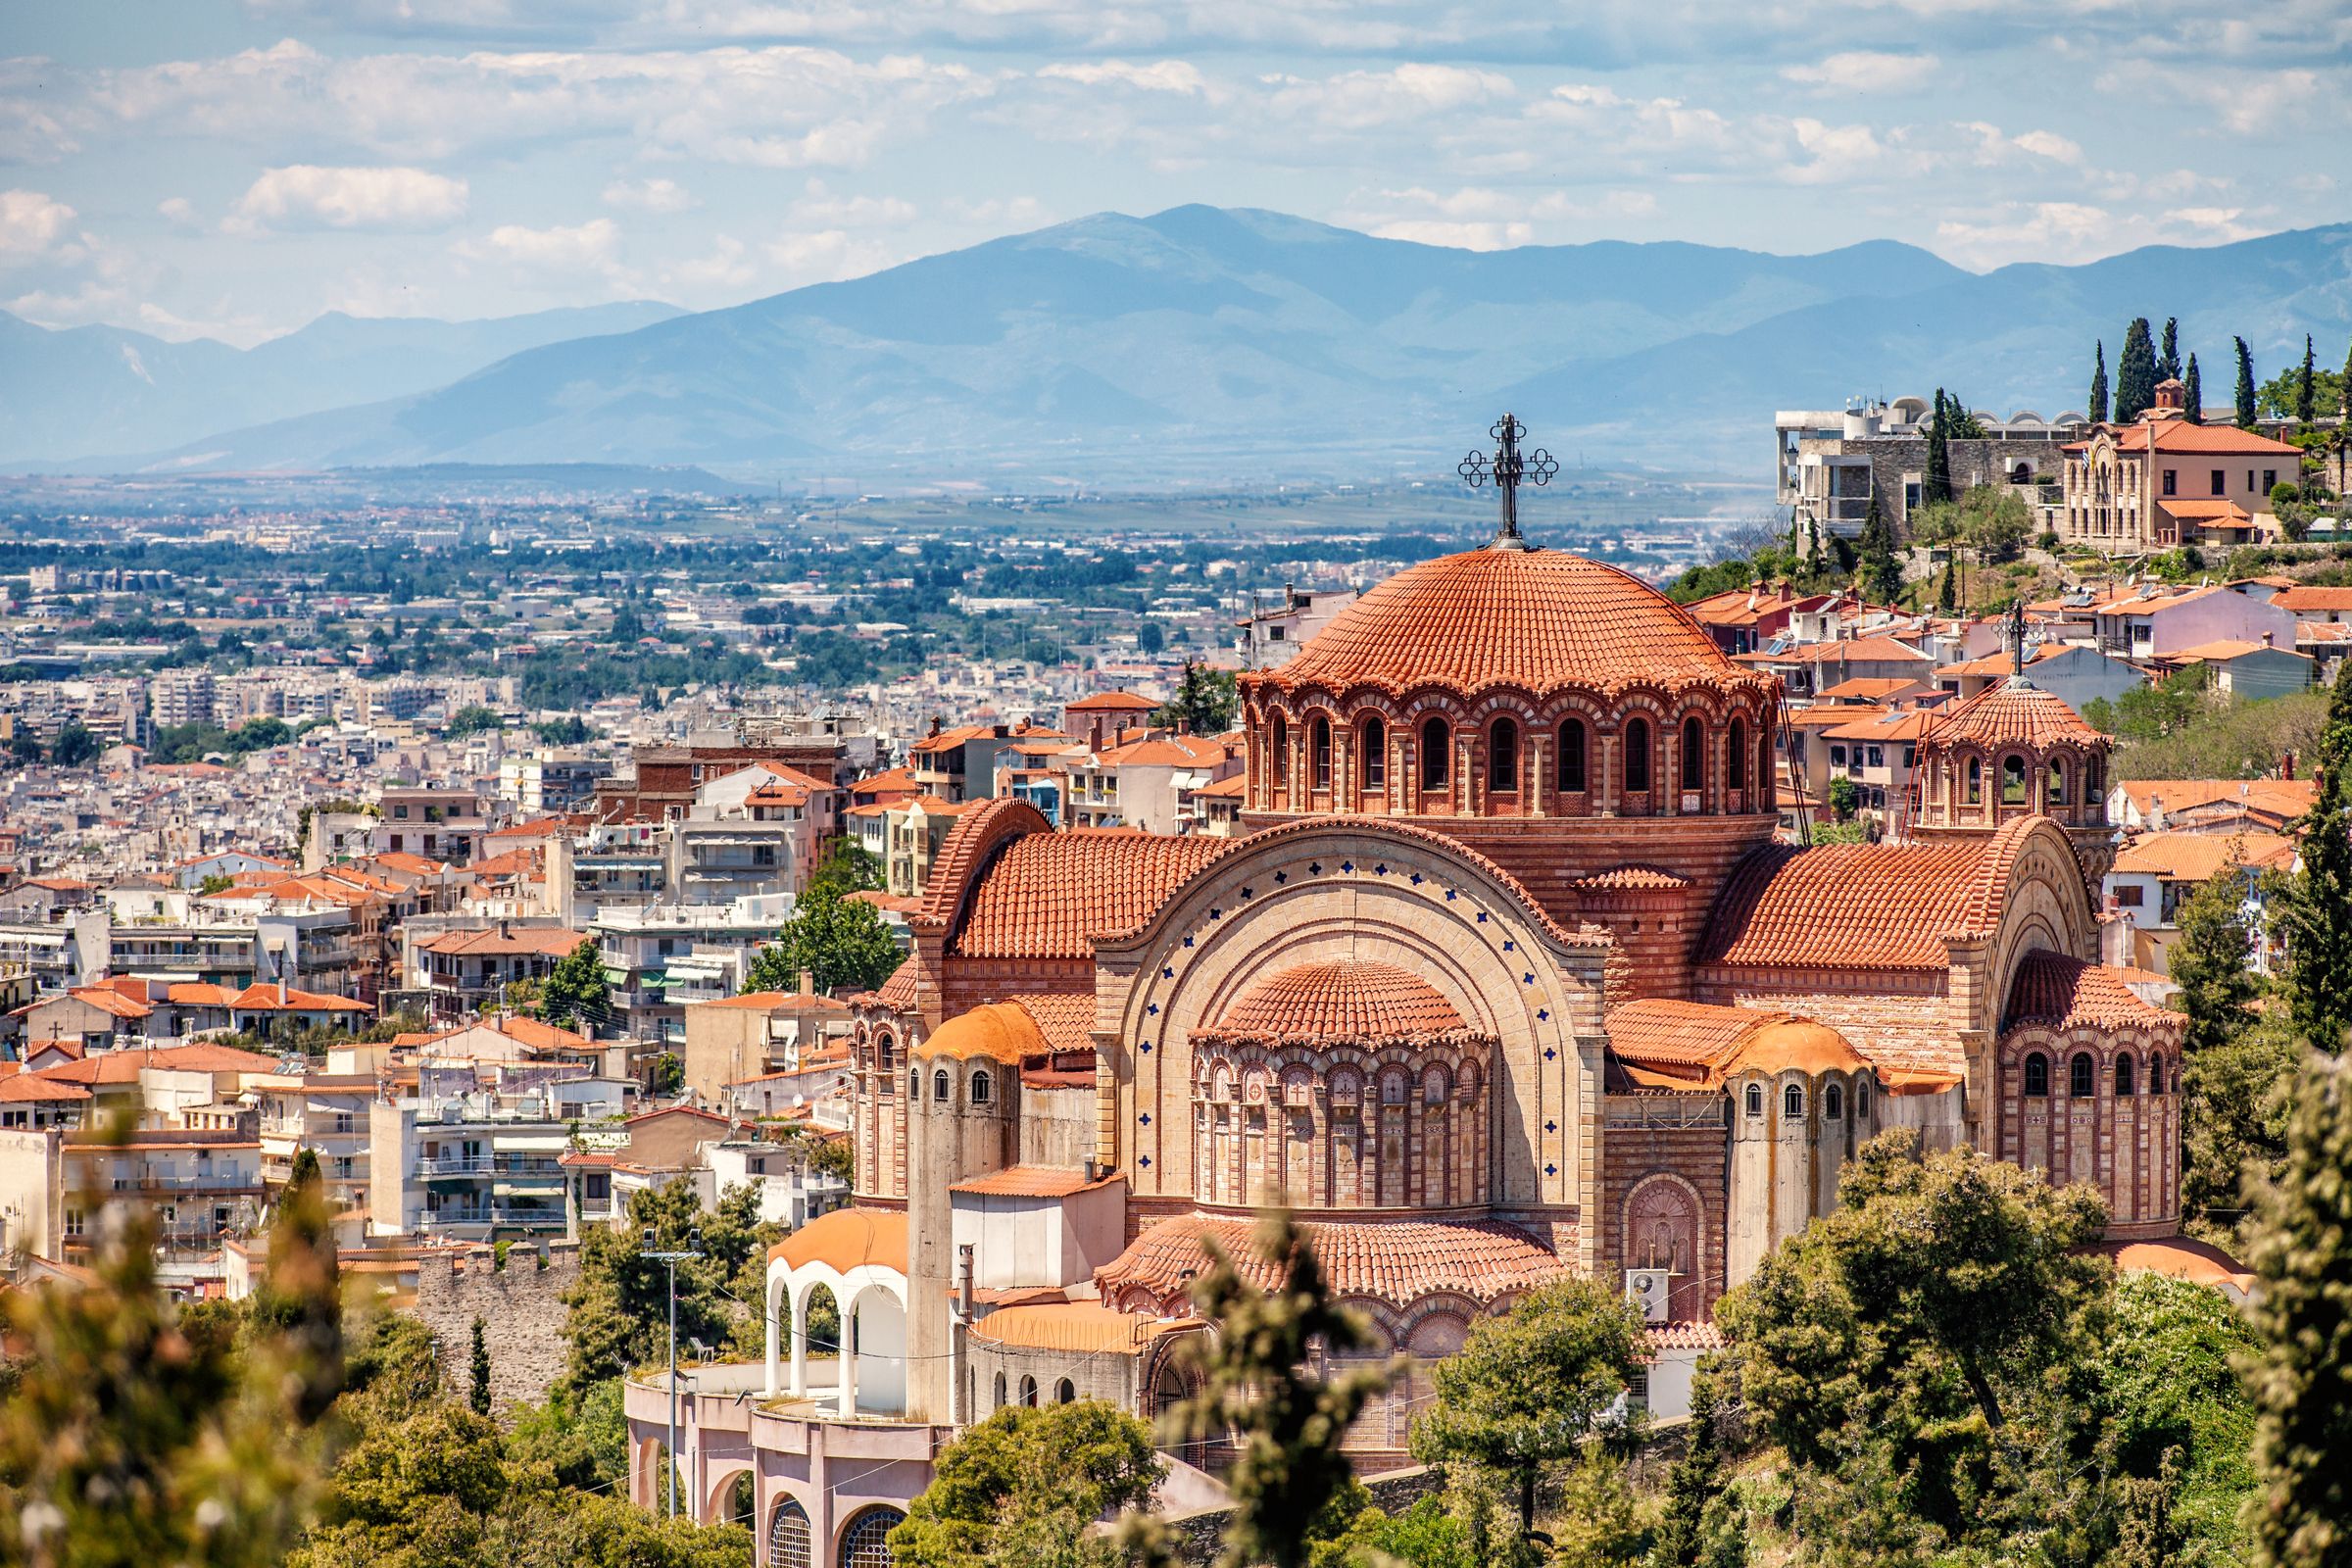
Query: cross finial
x=2017, y=637
x=1510, y=469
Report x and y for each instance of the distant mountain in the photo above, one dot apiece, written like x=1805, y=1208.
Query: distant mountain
x=1206, y=340
x=103, y=389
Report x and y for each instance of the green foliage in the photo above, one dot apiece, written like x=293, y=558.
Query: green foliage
x=192, y=743
x=2247, y=406
x=2302, y=1257
x=1845, y=797
x=575, y=989
x=215, y=882
x=2182, y=729
x=480, y=1395
x=2317, y=915
x=1203, y=702
x=1021, y=1489
x=1423, y=1536
x=1701, y=1526
x=2099, y=384
x=75, y=746
x=2135, y=373
x=670, y=1074
x=1915, y=1353
x=2169, y=1386
x=847, y=868
x=2168, y=358
x=1531, y=1389
x=1880, y=567
x=840, y=940
x=569, y=730
x=473, y=719
x=2233, y=1122
x=1937, y=483
x=2192, y=392
x=620, y=1302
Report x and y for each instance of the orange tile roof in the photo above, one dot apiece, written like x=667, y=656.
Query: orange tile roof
x=123, y=1067
x=107, y=1000
x=1858, y=906
x=2228, y=648
x=1226, y=788
x=1075, y=1328
x=1871, y=688
x=26, y=1087
x=2178, y=436
x=1048, y=894
x=1704, y=1043
x=2051, y=988
x=2179, y=1257
x=846, y=1239
x=1000, y=1031
x=1397, y=1261
x=773, y=1001
x=2279, y=797
x=1115, y=702
x=489, y=939
x=1032, y=1180
x=2200, y=856
x=2013, y=712
x=1348, y=998
x=2300, y=599
x=2202, y=510
x=284, y=999
x=1539, y=620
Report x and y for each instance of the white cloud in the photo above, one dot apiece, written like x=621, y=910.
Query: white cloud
x=593, y=246
x=827, y=256
x=1864, y=71
x=649, y=196
x=30, y=223
x=180, y=212
x=821, y=208
x=308, y=196
x=1165, y=76
x=725, y=269
x=1361, y=100
x=2079, y=232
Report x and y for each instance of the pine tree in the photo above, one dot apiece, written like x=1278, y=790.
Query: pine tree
x=2245, y=385
x=1938, y=485
x=479, y=1396
x=2209, y=961
x=2168, y=362
x=1813, y=567
x=2317, y=915
x=2194, y=392
x=1880, y=577
x=1699, y=1530
x=1947, y=597
x=2307, y=408
x=2135, y=373
x=2099, y=384
x=2303, y=1312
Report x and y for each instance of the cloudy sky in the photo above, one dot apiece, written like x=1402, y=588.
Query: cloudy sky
x=233, y=168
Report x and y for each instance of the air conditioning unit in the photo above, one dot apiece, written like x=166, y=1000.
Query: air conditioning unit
x=1648, y=1289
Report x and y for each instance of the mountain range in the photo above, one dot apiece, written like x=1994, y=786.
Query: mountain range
x=1197, y=340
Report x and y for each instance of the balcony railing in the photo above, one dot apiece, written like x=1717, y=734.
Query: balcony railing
x=488, y=1214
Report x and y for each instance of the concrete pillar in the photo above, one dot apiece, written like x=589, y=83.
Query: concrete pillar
x=847, y=1405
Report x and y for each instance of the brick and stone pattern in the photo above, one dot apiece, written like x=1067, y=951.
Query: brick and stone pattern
x=521, y=1309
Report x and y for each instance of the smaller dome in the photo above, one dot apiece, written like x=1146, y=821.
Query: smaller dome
x=1797, y=1045
x=1349, y=999
x=2013, y=712
x=847, y=1239
x=1001, y=1030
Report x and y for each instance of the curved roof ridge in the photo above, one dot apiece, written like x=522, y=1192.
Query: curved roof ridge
x=1860, y=906
x=2052, y=988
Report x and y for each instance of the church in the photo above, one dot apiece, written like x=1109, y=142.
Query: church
x=1508, y=976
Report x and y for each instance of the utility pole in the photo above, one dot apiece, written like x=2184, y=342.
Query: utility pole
x=694, y=1248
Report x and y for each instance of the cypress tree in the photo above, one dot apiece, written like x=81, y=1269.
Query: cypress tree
x=2303, y=1315
x=1692, y=1533
x=2098, y=383
x=2209, y=961
x=1813, y=567
x=2245, y=385
x=2306, y=388
x=2318, y=914
x=2167, y=363
x=2136, y=373
x=479, y=1397
x=1947, y=597
x=2192, y=387
x=1938, y=485
x=1880, y=577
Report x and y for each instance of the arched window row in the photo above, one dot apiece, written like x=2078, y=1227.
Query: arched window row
x=2067, y=782
x=2127, y=1073
x=1392, y=1129
x=1834, y=1100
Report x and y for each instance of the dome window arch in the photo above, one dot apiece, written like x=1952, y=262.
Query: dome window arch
x=1976, y=780
x=1735, y=756
x=1571, y=774
x=1029, y=1391
x=1437, y=752
x=1861, y=1097
x=1320, y=740
x=1755, y=1100
x=2038, y=1076
x=1636, y=756
x=939, y=1085
x=2081, y=1076
x=1374, y=746
x=999, y=1391
x=2057, y=782
x=1793, y=1101
x=1694, y=756
x=1833, y=1103
x=1278, y=739
x=1065, y=1393
x=1502, y=756
x=981, y=1087
x=2125, y=1085
x=2013, y=780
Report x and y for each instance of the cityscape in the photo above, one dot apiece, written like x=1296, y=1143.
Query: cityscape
x=1240, y=884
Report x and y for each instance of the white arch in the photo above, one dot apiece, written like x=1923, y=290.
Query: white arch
x=793, y=1289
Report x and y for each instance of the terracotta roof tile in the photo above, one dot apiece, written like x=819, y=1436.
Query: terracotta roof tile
x=1908, y=1038
x=1078, y=1328
x=846, y=1239
x=2013, y=712
x=1704, y=1043
x=1857, y=906
x=1032, y=1180
x=1396, y=1260
x=1346, y=999
x=2303, y=599
x=2054, y=989
x=1111, y=703
x=553, y=942
x=1048, y=894
x=2180, y=436
x=2200, y=856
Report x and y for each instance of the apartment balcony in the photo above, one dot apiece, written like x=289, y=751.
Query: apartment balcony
x=489, y=1216
x=226, y=1182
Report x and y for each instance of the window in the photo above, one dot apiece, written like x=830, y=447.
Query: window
x=1836, y=757
x=1636, y=756
x=1279, y=740
x=788, y=1544
x=73, y=1222
x=2081, y=1076
x=1975, y=779
x=1000, y=1404
x=1877, y=757
x=1065, y=1393
x=1793, y=1101
x=1376, y=754
x=2172, y=477
x=866, y=1543
x=1502, y=757
x=939, y=1086
x=1861, y=1100
x=1572, y=757
x=2013, y=780
x=1833, y=1103
x=1734, y=757
x=2124, y=1088
x=2220, y=482
x=2270, y=480
x=1029, y=1391
x=1694, y=756
x=2057, y=787
x=1436, y=748
x=2038, y=1076
x=1755, y=1100
x=2156, y=1075
x=980, y=1088
x=1319, y=739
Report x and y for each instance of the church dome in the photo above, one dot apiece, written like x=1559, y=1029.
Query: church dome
x=1348, y=1000
x=2013, y=712
x=1535, y=620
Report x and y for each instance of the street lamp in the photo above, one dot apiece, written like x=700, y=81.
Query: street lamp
x=694, y=1248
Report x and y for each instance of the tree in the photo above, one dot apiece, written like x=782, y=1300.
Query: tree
x=480, y=1395
x=2317, y=915
x=2343, y=399
x=2306, y=386
x=847, y=868
x=577, y=987
x=1700, y=1529
x=1530, y=1389
x=1022, y=1489
x=1880, y=574
x=2209, y=961
x=2302, y=1315
x=2135, y=373
x=2245, y=385
x=1203, y=702
x=2168, y=360
x=620, y=1302
x=2232, y=1059
x=214, y=882
x=1938, y=483
x=837, y=940
x=1845, y=797
x=473, y=719
x=74, y=746
x=2099, y=384
x=1947, y=597
x=1916, y=1352
x=1259, y=1380
x=2192, y=397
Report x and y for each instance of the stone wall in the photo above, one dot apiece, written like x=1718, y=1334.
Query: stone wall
x=521, y=1309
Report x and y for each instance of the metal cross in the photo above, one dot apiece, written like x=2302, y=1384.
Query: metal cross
x=2017, y=636
x=1508, y=470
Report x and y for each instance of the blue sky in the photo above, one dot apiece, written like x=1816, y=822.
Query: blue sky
x=234, y=167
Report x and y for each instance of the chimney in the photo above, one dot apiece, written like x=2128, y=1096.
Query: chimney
x=963, y=1280
x=807, y=983
x=2286, y=765
x=2269, y=639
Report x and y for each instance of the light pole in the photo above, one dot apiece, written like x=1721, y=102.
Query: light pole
x=694, y=1248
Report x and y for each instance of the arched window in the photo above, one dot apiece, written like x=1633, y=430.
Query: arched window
x=2090, y=777
x=915, y=1083
x=1975, y=779
x=1861, y=1098
x=788, y=1537
x=1755, y=1100
x=1764, y=781
x=1029, y=1391
x=1376, y=754
x=1734, y=757
x=1502, y=757
x=1694, y=755
x=1065, y=1393
x=2057, y=789
x=2125, y=1088
x=1571, y=775
x=866, y=1541
x=2013, y=780
x=1436, y=754
x=1278, y=736
x=2081, y=1076
x=2038, y=1076
x=1000, y=1404
x=1320, y=739
x=1833, y=1103
x=980, y=1088
x=2156, y=1076
x=1793, y=1101
x=939, y=1086
x=1636, y=755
